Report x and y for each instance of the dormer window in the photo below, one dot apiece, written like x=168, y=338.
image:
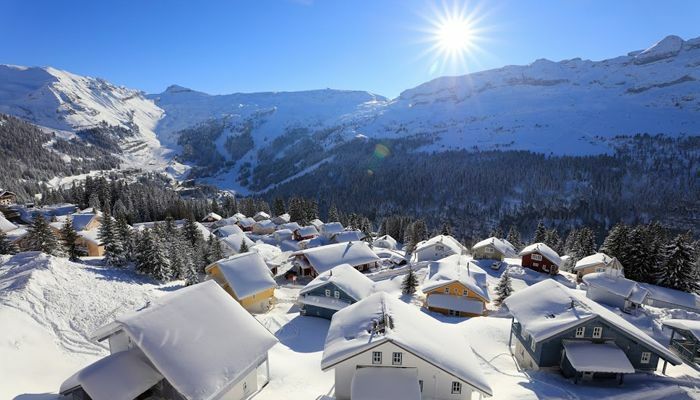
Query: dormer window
x=597, y=332
x=328, y=293
x=580, y=331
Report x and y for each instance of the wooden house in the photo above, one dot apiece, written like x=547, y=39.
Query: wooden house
x=456, y=287
x=90, y=243
x=7, y=198
x=385, y=241
x=212, y=217
x=615, y=290
x=281, y=219
x=246, y=224
x=558, y=328
x=334, y=290
x=685, y=340
x=281, y=235
x=246, y=278
x=317, y=260
x=261, y=216
x=263, y=227
x=598, y=262
x=438, y=247
x=541, y=258
x=383, y=348
x=194, y=344
x=305, y=232
x=493, y=248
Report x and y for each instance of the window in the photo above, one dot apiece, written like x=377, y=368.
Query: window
x=488, y=249
x=420, y=384
x=376, y=357
x=465, y=293
x=536, y=257
x=545, y=268
x=336, y=294
x=447, y=290
x=646, y=357
x=245, y=386
x=535, y=264
x=533, y=344
x=597, y=332
x=396, y=358
x=456, y=387
x=453, y=313
x=580, y=331
x=328, y=293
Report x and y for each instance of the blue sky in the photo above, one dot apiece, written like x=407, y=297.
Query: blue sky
x=375, y=45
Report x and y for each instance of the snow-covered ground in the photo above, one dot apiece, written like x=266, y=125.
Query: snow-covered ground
x=50, y=306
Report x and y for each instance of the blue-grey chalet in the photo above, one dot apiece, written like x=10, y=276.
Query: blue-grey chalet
x=334, y=290
x=555, y=327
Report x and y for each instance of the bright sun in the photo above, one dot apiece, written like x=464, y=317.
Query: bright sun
x=454, y=35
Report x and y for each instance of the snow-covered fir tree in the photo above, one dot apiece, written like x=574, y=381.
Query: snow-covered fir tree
x=125, y=237
x=676, y=267
x=333, y=215
x=446, y=229
x=615, y=243
x=151, y=257
x=6, y=246
x=496, y=232
x=214, y=250
x=504, y=288
x=41, y=238
x=68, y=238
x=243, y=248
x=109, y=238
x=409, y=283
x=514, y=238
x=278, y=207
x=540, y=233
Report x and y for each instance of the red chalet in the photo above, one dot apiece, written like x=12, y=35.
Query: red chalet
x=541, y=258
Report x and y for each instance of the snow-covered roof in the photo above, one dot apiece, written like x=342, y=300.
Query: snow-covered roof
x=586, y=356
x=500, y=245
x=81, y=220
x=283, y=232
x=672, y=296
x=212, y=216
x=445, y=240
x=91, y=236
x=593, y=260
x=246, y=274
x=234, y=241
x=316, y=223
x=119, y=376
x=267, y=251
x=282, y=219
x=329, y=228
x=261, y=215
x=330, y=303
x=238, y=216
x=246, y=222
x=457, y=303
x=6, y=225
x=387, y=239
x=545, y=309
x=375, y=383
x=618, y=285
x=456, y=269
x=265, y=223
x=305, y=231
x=323, y=258
x=409, y=328
x=292, y=226
x=344, y=276
x=347, y=236
x=228, y=230
x=544, y=250
x=685, y=324
x=200, y=353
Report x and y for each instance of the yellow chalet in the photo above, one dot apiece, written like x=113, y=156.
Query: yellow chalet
x=455, y=286
x=247, y=279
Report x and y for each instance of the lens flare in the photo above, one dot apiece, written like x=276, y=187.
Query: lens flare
x=381, y=151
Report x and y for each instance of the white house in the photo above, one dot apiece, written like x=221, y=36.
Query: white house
x=493, y=248
x=611, y=288
x=437, y=247
x=598, y=262
x=180, y=346
x=385, y=241
x=385, y=345
x=320, y=259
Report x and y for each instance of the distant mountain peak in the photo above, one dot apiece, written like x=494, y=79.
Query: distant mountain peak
x=177, y=89
x=667, y=47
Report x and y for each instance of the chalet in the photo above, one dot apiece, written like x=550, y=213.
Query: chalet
x=306, y=232
x=662, y=297
x=273, y=256
x=212, y=217
x=161, y=352
x=383, y=345
x=334, y=290
x=317, y=260
x=329, y=229
x=292, y=226
x=231, y=244
x=27, y=214
x=541, y=258
x=347, y=236
x=83, y=221
x=246, y=224
x=90, y=243
x=385, y=241
x=559, y=328
x=493, y=248
x=613, y=289
x=685, y=340
x=263, y=227
x=317, y=223
x=438, y=247
x=455, y=286
x=7, y=198
x=228, y=230
x=224, y=222
x=281, y=219
x=598, y=262
x=261, y=216
x=283, y=234
x=246, y=278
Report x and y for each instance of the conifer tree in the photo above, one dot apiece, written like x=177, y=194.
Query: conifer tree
x=496, y=232
x=514, y=238
x=676, y=269
x=68, y=239
x=151, y=257
x=553, y=240
x=410, y=283
x=214, y=250
x=6, y=246
x=333, y=215
x=125, y=237
x=278, y=206
x=504, y=288
x=114, y=251
x=615, y=244
x=540, y=233
x=446, y=229
x=243, y=248
x=41, y=238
